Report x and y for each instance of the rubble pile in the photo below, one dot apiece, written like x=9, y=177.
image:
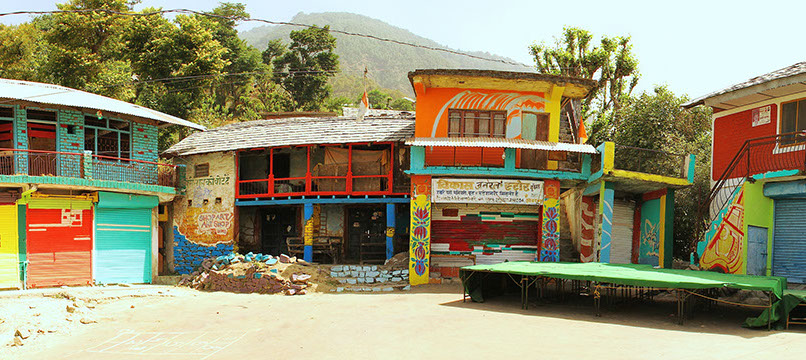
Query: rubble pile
x=258, y=273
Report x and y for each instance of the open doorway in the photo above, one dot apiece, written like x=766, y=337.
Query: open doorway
x=278, y=224
x=366, y=234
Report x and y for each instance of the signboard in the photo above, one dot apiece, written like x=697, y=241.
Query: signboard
x=487, y=191
x=761, y=116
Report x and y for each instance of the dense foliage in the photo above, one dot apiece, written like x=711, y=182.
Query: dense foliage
x=652, y=132
x=192, y=66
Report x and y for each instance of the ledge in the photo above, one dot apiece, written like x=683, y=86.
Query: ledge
x=68, y=181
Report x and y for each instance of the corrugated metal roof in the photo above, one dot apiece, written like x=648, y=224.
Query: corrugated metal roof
x=789, y=71
x=502, y=143
x=295, y=131
x=60, y=95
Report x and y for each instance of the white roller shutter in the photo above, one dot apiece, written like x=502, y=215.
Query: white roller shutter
x=621, y=240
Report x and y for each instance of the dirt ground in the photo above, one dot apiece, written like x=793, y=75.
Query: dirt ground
x=432, y=322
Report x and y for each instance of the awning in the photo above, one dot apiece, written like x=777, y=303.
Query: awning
x=487, y=142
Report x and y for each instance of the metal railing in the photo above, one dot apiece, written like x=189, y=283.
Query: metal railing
x=87, y=166
x=649, y=161
x=756, y=156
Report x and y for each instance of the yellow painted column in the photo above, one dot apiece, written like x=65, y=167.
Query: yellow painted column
x=553, y=107
x=9, y=260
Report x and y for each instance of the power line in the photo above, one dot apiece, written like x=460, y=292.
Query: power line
x=270, y=22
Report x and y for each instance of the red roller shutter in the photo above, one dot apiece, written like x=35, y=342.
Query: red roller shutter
x=59, y=247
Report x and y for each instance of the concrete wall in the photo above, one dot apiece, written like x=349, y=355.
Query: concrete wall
x=204, y=219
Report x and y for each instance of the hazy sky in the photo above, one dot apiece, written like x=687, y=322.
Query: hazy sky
x=694, y=47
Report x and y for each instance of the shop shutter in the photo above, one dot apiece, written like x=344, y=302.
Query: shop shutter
x=9, y=248
x=789, y=240
x=122, y=245
x=59, y=245
x=493, y=233
x=621, y=238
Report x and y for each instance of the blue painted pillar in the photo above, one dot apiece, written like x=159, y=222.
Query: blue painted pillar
x=606, y=197
x=390, y=231
x=308, y=232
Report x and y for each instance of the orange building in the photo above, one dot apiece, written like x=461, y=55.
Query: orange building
x=494, y=156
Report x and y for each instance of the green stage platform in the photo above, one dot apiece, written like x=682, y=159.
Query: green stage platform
x=626, y=277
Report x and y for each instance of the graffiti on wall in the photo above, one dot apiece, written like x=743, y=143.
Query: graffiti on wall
x=550, y=245
x=649, y=239
x=512, y=103
x=214, y=223
x=725, y=240
x=588, y=233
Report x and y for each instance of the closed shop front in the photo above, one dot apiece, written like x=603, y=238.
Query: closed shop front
x=59, y=242
x=789, y=240
x=621, y=239
x=493, y=233
x=123, y=243
x=9, y=249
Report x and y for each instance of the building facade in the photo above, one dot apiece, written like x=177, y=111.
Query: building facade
x=499, y=173
x=80, y=185
x=758, y=192
x=328, y=189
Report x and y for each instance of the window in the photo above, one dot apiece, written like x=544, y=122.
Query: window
x=6, y=127
x=201, y=170
x=107, y=137
x=793, y=119
x=475, y=123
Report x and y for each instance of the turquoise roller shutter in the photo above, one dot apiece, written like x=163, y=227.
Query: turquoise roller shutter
x=789, y=240
x=123, y=245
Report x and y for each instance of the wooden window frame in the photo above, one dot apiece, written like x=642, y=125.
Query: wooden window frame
x=205, y=166
x=121, y=136
x=463, y=114
x=794, y=142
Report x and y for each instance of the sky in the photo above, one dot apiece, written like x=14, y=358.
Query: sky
x=693, y=47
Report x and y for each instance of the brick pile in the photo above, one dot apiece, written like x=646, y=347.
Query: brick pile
x=366, y=278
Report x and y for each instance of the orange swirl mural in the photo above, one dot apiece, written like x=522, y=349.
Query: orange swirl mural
x=445, y=99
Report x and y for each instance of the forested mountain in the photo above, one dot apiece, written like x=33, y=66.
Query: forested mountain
x=388, y=63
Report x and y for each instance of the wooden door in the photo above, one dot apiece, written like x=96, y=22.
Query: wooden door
x=534, y=126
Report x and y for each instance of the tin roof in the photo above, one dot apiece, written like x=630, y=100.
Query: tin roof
x=295, y=131
x=781, y=82
x=502, y=143
x=60, y=95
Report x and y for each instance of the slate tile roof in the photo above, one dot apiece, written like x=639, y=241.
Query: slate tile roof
x=295, y=131
x=791, y=70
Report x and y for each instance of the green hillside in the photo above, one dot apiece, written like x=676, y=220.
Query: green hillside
x=388, y=63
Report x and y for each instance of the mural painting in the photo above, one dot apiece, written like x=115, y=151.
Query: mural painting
x=204, y=219
x=649, y=243
x=588, y=233
x=420, y=234
x=724, y=242
x=550, y=244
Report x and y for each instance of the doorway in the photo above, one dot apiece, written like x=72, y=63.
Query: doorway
x=534, y=126
x=366, y=234
x=277, y=225
x=756, y=250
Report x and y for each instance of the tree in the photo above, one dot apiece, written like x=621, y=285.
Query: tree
x=656, y=121
x=304, y=69
x=611, y=64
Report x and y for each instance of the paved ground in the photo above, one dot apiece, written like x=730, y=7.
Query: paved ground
x=431, y=322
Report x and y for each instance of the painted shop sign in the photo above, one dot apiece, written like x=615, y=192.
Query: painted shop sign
x=761, y=115
x=217, y=223
x=487, y=191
